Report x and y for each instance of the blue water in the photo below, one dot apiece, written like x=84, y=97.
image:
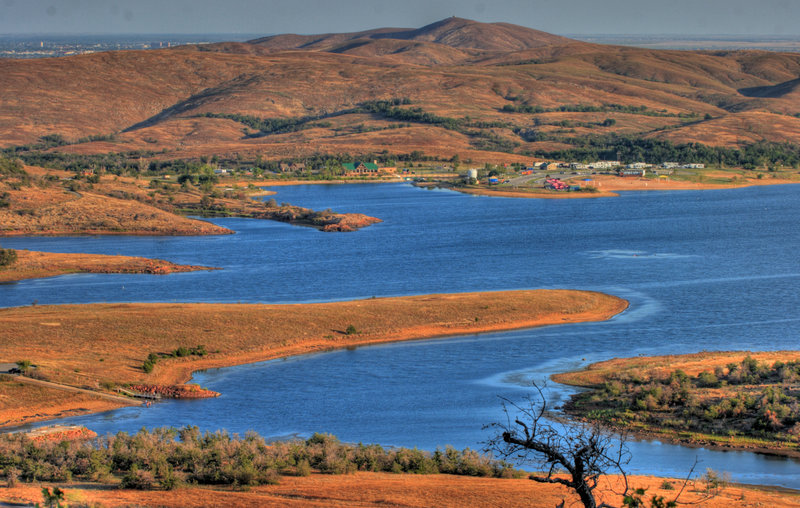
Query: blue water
x=712, y=270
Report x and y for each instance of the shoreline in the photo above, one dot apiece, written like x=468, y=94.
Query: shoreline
x=39, y=333
x=282, y=183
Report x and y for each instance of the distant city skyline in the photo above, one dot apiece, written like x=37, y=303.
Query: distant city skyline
x=679, y=17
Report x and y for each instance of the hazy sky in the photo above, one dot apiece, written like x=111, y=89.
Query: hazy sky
x=748, y=17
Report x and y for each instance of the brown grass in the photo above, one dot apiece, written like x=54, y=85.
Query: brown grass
x=84, y=345
x=33, y=264
x=91, y=213
x=402, y=490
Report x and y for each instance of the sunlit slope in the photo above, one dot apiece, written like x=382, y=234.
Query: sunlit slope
x=454, y=69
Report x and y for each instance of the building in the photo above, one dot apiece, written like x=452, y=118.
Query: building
x=360, y=168
x=291, y=167
x=670, y=165
x=604, y=164
x=638, y=165
x=694, y=166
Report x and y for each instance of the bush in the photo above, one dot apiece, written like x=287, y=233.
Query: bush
x=149, y=365
x=7, y=256
x=181, y=352
x=138, y=479
x=351, y=330
x=166, y=458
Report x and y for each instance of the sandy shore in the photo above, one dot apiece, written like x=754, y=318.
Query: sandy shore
x=99, y=345
x=407, y=491
x=280, y=183
x=535, y=193
x=34, y=265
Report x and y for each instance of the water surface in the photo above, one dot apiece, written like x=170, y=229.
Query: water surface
x=704, y=270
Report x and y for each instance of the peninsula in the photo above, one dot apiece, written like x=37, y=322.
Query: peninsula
x=113, y=345
x=35, y=265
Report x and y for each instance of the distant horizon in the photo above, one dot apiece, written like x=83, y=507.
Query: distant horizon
x=610, y=17
x=263, y=34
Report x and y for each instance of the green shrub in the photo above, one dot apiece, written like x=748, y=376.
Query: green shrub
x=181, y=352
x=148, y=365
x=351, y=330
x=7, y=256
x=138, y=479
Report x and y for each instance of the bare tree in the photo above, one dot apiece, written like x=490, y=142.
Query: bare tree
x=574, y=455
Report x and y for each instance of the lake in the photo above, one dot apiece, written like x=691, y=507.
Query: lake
x=703, y=270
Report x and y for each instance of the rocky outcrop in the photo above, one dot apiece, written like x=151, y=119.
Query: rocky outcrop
x=325, y=221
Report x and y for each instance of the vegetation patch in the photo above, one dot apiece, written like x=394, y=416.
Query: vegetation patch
x=182, y=352
x=167, y=458
x=656, y=151
x=746, y=403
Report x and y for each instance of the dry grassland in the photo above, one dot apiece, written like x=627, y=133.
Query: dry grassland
x=406, y=491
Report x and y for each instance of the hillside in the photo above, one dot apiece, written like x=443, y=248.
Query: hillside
x=458, y=33
x=485, y=91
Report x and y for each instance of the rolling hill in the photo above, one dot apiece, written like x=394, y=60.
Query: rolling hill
x=484, y=91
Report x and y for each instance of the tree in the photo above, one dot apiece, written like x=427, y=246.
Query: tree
x=575, y=455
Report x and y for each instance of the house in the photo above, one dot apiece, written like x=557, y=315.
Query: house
x=604, y=164
x=694, y=166
x=291, y=167
x=670, y=165
x=638, y=165
x=360, y=168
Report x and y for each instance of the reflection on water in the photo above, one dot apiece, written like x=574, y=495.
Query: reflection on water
x=702, y=270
